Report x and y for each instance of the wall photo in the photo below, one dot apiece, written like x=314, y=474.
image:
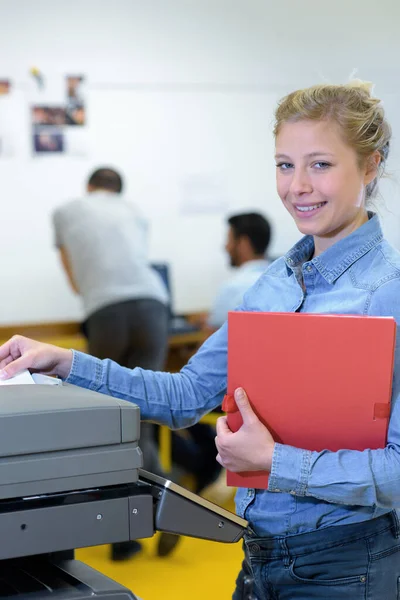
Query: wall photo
x=54, y=124
x=5, y=87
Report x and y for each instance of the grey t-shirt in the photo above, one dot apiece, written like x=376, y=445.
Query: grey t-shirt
x=106, y=242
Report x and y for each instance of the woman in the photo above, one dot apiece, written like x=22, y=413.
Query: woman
x=336, y=535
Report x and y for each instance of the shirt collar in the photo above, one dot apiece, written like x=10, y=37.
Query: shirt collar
x=103, y=194
x=335, y=260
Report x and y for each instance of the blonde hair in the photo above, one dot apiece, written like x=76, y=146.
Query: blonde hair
x=358, y=114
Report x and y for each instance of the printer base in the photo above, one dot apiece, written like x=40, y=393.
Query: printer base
x=39, y=577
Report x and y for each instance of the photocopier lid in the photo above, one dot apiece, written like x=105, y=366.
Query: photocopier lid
x=63, y=437
x=44, y=418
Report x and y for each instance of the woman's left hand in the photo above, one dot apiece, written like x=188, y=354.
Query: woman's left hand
x=248, y=449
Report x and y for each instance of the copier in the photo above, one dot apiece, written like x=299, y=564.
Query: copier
x=71, y=477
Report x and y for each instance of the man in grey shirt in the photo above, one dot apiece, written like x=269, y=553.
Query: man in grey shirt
x=102, y=241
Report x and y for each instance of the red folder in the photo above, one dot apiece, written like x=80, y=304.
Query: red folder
x=316, y=381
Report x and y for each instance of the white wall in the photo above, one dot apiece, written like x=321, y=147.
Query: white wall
x=178, y=89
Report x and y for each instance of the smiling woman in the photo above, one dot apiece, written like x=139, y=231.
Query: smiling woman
x=327, y=525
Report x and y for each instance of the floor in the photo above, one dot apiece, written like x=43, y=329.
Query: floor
x=196, y=570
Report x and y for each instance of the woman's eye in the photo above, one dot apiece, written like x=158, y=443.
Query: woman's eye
x=321, y=165
x=284, y=166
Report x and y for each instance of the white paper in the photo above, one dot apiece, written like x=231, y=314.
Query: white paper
x=22, y=378
x=45, y=379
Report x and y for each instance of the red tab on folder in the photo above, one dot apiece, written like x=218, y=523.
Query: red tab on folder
x=229, y=404
x=316, y=381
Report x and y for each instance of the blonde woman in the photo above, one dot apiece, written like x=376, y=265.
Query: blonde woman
x=327, y=526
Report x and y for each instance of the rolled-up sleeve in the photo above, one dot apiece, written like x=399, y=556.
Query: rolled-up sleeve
x=174, y=399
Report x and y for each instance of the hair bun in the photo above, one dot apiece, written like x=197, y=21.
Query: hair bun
x=365, y=86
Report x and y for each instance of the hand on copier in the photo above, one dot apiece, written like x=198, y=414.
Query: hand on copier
x=23, y=353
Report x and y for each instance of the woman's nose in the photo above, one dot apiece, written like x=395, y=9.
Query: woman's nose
x=301, y=183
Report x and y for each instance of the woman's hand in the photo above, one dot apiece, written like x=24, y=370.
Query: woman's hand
x=248, y=449
x=22, y=353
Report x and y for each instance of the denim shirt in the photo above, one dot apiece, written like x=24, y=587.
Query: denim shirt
x=360, y=275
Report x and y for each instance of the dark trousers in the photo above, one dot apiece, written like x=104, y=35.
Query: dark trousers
x=133, y=333
x=357, y=562
x=196, y=453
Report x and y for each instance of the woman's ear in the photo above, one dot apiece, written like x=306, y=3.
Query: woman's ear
x=372, y=166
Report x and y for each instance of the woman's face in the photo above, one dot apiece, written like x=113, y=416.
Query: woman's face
x=320, y=181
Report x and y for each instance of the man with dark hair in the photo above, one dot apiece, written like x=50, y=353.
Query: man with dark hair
x=105, y=179
x=102, y=240
x=249, y=236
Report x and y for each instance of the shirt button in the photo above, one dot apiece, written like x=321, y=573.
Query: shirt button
x=290, y=261
x=309, y=268
x=276, y=490
x=254, y=548
x=292, y=492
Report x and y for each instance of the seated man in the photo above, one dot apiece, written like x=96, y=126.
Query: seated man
x=247, y=242
x=248, y=239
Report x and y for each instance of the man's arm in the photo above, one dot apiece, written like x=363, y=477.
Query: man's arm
x=67, y=268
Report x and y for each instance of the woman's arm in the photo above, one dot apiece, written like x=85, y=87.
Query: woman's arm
x=367, y=478
x=177, y=400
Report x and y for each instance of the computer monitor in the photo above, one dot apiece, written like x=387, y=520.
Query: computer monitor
x=178, y=324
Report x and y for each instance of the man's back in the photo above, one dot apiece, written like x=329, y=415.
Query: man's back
x=105, y=239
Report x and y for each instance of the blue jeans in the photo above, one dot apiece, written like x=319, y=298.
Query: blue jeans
x=358, y=562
